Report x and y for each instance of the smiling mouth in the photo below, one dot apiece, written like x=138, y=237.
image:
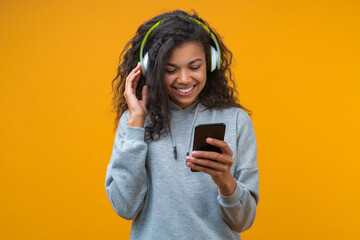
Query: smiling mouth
x=184, y=90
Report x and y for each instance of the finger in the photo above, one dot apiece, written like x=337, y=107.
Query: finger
x=143, y=98
x=220, y=144
x=214, y=156
x=133, y=72
x=199, y=168
x=132, y=81
x=144, y=94
x=136, y=78
x=135, y=69
x=216, y=165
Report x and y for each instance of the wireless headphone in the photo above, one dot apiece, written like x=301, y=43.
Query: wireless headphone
x=215, y=53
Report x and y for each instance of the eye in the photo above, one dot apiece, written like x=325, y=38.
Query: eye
x=170, y=70
x=194, y=68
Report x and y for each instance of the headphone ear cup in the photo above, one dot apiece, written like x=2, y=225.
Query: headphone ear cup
x=144, y=63
x=214, y=59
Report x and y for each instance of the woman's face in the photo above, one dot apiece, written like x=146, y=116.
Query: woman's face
x=185, y=73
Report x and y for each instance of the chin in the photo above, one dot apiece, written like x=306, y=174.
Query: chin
x=183, y=104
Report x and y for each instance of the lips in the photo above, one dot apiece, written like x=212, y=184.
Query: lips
x=184, y=90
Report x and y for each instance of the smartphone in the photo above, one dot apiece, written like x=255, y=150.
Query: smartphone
x=203, y=131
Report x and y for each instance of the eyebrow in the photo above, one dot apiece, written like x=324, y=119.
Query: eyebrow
x=193, y=61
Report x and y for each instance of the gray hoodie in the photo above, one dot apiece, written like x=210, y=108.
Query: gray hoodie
x=147, y=184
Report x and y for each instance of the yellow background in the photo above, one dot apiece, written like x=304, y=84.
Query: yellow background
x=297, y=67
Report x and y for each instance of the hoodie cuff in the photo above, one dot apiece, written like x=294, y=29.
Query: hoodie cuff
x=135, y=134
x=232, y=199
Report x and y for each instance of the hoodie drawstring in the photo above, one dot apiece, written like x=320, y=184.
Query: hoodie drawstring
x=191, y=134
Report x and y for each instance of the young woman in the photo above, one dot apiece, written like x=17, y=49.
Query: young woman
x=183, y=80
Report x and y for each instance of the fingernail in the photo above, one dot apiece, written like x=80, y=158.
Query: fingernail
x=188, y=158
x=209, y=139
x=194, y=154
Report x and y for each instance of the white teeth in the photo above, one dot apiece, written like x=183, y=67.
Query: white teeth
x=185, y=90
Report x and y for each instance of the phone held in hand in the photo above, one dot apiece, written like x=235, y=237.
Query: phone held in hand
x=203, y=131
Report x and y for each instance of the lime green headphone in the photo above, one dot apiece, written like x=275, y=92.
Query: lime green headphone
x=215, y=52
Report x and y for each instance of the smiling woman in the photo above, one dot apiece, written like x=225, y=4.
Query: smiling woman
x=185, y=74
x=186, y=81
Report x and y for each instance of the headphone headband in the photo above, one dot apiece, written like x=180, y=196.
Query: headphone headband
x=145, y=62
x=146, y=36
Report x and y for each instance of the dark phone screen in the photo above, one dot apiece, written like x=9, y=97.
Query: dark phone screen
x=203, y=131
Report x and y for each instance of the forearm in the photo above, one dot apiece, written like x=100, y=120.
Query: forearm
x=126, y=179
x=238, y=209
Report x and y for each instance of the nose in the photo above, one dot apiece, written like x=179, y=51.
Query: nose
x=184, y=77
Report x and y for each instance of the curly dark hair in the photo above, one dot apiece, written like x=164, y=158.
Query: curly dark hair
x=178, y=29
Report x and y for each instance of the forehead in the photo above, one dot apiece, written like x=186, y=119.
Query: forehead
x=186, y=53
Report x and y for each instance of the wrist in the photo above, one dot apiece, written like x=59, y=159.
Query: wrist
x=136, y=121
x=228, y=187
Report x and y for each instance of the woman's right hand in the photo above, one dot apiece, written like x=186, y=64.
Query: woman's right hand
x=137, y=108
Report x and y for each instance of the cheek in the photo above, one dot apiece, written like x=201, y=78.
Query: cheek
x=201, y=76
x=168, y=82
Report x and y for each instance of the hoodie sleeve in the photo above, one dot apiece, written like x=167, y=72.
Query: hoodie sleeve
x=239, y=209
x=126, y=179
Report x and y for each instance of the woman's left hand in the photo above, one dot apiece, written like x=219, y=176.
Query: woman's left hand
x=217, y=165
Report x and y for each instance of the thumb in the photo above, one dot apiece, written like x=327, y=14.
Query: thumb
x=144, y=94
